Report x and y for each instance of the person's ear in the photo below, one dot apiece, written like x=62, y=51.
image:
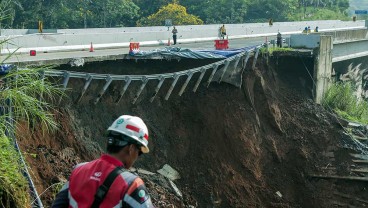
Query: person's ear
x=131, y=148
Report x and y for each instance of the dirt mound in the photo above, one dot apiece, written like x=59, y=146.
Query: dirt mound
x=248, y=147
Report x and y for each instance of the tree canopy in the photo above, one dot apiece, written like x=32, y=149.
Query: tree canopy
x=115, y=13
x=177, y=13
x=263, y=10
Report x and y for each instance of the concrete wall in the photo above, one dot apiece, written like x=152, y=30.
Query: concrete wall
x=348, y=35
x=350, y=50
x=32, y=31
x=233, y=29
x=339, y=37
x=7, y=32
x=160, y=35
x=305, y=40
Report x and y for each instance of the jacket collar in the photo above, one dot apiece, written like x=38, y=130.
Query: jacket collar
x=112, y=160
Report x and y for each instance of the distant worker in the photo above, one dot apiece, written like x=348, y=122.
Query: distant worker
x=279, y=40
x=354, y=18
x=309, y=29
x=40, y=26
x=223, y=31
x=316, y=29
x=270, y=22
x=174, y=32
x=107, y=177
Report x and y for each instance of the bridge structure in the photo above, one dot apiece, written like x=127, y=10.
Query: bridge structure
x=329, y=48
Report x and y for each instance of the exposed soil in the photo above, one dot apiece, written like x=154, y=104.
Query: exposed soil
x=232, y=147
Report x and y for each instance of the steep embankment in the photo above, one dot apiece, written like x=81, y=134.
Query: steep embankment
x=233, y=147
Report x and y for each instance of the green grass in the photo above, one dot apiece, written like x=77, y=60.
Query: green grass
x=341, y=99
x=271, y=50
x=13, y=185
x=30, y=96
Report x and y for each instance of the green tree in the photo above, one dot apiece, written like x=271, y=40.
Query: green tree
x=278, y=10
x=218, y=11
x=72, y=13
x=112, y=13
x=148, y=7
x=175, y=12
x=54, y=14
x=25, y=14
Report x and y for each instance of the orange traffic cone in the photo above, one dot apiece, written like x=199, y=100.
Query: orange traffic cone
x=168, y=42
x=91, y=48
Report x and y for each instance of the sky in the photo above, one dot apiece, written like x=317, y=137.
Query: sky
x=358, y=5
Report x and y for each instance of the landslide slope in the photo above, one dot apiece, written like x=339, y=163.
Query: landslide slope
x=233, y=147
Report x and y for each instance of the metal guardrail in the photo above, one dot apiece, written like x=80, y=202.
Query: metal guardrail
x=145, y=78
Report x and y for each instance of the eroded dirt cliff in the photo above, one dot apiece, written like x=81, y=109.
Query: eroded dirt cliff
x=233, y=147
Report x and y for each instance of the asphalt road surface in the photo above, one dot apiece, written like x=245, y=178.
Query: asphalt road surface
x=48, y=58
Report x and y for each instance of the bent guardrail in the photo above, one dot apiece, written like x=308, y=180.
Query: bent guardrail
x=144, y=79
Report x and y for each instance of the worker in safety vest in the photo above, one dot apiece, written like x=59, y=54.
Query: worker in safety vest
x=105, y=182
x=223, y=31
x=305, y=30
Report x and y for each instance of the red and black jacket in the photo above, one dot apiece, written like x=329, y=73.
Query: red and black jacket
x=127, y=190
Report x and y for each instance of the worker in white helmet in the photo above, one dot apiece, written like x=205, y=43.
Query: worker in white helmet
x=105, y=182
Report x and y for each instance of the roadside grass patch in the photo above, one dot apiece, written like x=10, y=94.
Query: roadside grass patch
x=271, y=50
x=340, y=98
x=13, y=185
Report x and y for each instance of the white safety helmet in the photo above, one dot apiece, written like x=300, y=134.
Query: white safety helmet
x=132, y=127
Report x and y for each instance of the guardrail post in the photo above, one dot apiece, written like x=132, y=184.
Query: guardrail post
x=246, y=59
x=145, y=80
x=85, y=87
x=237, y=62
x=203, y=71
x=128, y=80
x=185, y=83
x=245, y=63
x=162, y=79
x=108, y=82
x=176, y=78
x=42, y=76
x=212, y=74
x=255, y=58
x=65, y=82
x=225, y=68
